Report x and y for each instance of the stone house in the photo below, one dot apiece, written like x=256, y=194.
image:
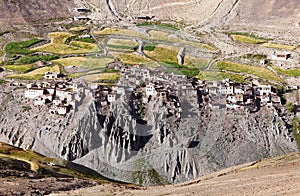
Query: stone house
x=62, y=109
x=50, y=75
x=150, y=90
x=111, y=98
x=280, y=57
x=34, y=92
x=64, y=94
x=39, y=101
x=263, y=90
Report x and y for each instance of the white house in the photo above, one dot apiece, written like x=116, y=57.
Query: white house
x=146, y=73
x=265, y=98
x=235, y=98
x=150, y=90
x=226, y=90
x=111, y=98
x=64, y=94
x=263, y=90
x=39, y=101
x=62, y=109
x=34, y=92
x=50, y=75
x=50, y=90
x=280, y=57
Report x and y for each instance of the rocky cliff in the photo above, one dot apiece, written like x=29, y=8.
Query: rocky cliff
x=172, y=137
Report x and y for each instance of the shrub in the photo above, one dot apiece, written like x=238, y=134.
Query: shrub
x=290, y=107
x=32, y=59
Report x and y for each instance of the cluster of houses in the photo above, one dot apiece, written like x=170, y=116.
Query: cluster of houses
x=158, y=83
x=170, y=88
x=58, y=94
x=242, y=96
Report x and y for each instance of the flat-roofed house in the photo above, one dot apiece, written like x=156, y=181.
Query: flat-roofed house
x=34, y=92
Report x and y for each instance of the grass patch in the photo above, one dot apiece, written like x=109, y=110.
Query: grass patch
x=39, y=163
x=78, y=29
x=124, y=32
x=21, y=68
x=255, y=56
x=159, y=35
x=159, y=25
x=85, y=62
x=218, y=76
x=149, y=46
x=154, y=35
x=292, y=72
x=260, y=72
x=122, y=45
x=180, y=70
x=247, y=39
x=279, y=46
x=35, y=74
x=199, y=62
x=58, y=45
x=14, y=48
x=32, y=59
x=2, y=81
x=167, y=26
x=131, y=59
x=109, y=77
x=162, y=53
x=85, y=39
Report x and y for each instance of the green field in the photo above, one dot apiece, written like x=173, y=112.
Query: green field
x=247, y=39
x=59, y=45
x=124, y=32
x=218, y=76
x=260, y=72
x=32, y=59
x=85, y=62
x=163, y=53
x=130, y=58
x=35, y=74
x=279, y=46
x=14, y=48
x=121, y=45
x=78, y=29
x=21, y=68
x=292, y=72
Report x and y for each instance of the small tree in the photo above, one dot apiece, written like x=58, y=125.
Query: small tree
x=290, y=107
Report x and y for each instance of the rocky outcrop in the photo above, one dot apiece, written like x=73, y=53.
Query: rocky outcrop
x=153, y=140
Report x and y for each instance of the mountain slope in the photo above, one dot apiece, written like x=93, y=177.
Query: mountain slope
x=28, y=11
x=34, y=173
x=273, y=176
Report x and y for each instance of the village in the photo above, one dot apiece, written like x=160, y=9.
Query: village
x=143, y=83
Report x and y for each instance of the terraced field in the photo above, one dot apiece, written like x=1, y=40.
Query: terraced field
x=160, y=46
x=59, y=45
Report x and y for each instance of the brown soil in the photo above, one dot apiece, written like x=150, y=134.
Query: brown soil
x=273, y=176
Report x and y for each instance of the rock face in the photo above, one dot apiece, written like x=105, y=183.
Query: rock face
x=171, y=137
